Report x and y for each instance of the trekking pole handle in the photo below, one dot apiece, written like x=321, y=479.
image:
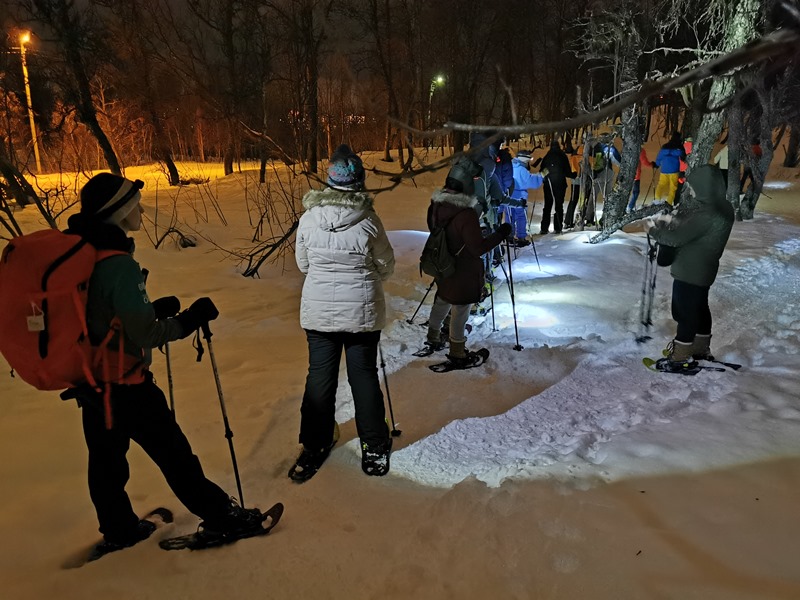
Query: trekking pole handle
x=206, y=331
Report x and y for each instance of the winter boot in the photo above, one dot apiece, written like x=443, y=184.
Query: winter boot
x=678, y=358
x=434, y=340
x=234, y=521
x=701, y=347
x=311, y=459
x=375, y=457
x=144, y=529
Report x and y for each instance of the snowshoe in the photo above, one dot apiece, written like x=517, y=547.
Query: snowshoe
x=664, y=365
x=471, y=360
x=309, y=462
x=429, y=348
x=251, y=524
x=147, y=525
x=375, y=458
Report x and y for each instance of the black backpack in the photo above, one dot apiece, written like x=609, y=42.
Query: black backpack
x=436, y=259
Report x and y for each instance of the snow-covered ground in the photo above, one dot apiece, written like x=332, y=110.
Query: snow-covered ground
x=561, y=470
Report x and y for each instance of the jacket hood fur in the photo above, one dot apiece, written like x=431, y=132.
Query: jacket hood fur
x=332, y=197
x=461, y=200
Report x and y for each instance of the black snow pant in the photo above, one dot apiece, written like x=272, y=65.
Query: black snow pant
x=554, y=193
x=569, y=216
x=690, y=310
x=317, y=413
x=141, y=414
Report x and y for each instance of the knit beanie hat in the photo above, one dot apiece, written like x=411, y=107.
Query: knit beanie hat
x=110, y=198
x=462, y=175
x=345, y=171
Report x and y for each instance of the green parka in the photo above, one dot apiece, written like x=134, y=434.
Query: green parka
x=699, y=229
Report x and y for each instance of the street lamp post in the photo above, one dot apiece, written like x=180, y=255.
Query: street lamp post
x=436, y=81
x=24, y=39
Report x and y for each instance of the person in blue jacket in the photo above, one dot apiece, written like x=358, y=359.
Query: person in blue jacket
x=524, y=180
x=669, y=161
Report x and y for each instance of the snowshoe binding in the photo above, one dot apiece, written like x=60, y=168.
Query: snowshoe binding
x=309, y=462
x=375, y=458
x=471, y=360
x=238, y=524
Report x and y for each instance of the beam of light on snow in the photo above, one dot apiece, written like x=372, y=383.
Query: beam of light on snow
x=534, y=296
x=777, y=185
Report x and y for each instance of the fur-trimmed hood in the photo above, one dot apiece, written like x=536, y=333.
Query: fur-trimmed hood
x=336, y=209
x=461, y=200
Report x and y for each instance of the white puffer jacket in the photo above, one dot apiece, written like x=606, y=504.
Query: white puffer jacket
x=344, y=252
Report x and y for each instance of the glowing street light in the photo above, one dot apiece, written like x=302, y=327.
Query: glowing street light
x=24, y=38
x=436, y=81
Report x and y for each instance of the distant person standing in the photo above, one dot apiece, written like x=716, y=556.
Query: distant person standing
x=604, y=158
x=575, y=156
x=557, y=168
x=637, y=180
x=698, y=231
x=344, y=252
x=524, y=180
x=669, y=161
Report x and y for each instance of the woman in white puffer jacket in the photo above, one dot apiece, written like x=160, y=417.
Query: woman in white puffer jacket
x=343, y=250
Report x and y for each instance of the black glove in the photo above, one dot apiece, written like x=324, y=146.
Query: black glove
x=198, y=314
x=504, y=230
x=524, y=204
x=166, y=307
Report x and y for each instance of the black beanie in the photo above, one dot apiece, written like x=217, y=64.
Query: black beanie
x=110, y=198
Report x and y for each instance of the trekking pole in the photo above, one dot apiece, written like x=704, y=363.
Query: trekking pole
x=421, y=302
x=510, y=280
x=650, y=187
x=228, y=433
x=646, y=306
x=491, y=301
x=395, y=431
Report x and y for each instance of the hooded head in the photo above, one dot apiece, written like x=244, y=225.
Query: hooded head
x=346, y=171
x=462, y=175
x=524, y=156
x=707, y=184
x=110, y=198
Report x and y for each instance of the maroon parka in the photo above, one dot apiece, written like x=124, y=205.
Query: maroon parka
x=464, y=238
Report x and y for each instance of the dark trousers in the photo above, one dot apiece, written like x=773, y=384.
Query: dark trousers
x=553, y=196
x=141, y=414
x=690, y=310
x=317, y=413
x=569, y=216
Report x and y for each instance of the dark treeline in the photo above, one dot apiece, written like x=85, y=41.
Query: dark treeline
x=123, y=82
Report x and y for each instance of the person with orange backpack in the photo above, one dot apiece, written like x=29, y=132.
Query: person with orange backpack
x=120, y=401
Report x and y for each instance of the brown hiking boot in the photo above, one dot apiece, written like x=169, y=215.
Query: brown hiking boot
x=701, y=347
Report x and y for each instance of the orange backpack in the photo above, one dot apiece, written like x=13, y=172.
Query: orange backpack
x=44, y=281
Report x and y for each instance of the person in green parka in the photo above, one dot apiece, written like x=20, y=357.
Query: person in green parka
x=698, y=231
x=128, y=405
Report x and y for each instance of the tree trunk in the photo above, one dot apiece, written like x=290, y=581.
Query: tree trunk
x=793, y=149
x=741, y=30
x=735, y=136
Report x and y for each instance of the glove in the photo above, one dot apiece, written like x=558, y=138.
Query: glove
x=544, y=172
x=504, y=230
x=524, y=203
x=166, y=307
x=198, y=314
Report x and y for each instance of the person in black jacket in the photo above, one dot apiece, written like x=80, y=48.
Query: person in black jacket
x=556, y=163
x=456, y=203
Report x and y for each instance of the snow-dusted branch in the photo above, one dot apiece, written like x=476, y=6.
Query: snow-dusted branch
x=770, y=46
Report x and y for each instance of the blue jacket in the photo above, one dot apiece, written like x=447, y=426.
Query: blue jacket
x=524, y=180
x=669, y=160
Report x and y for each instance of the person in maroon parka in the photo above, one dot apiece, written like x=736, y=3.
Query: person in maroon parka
x=456, y=208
